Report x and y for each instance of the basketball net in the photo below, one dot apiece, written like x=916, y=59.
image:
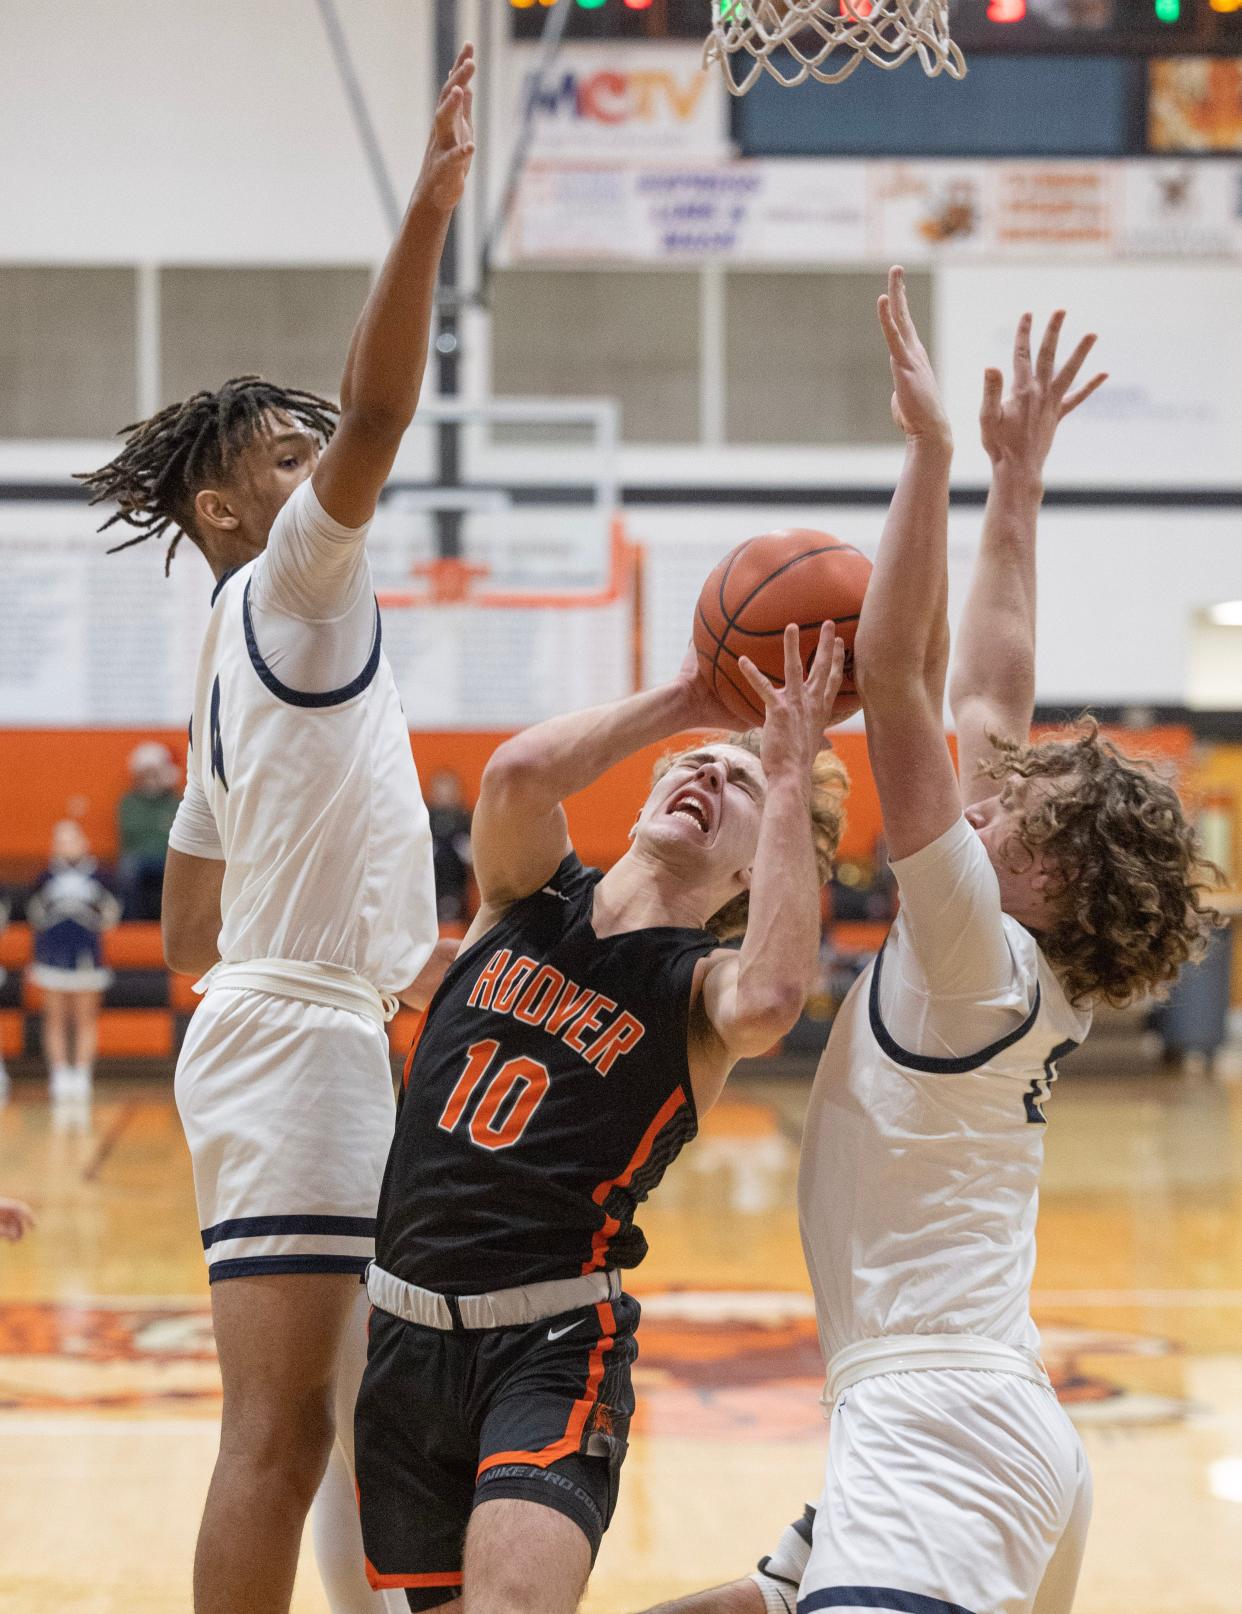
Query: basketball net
x=827, y=39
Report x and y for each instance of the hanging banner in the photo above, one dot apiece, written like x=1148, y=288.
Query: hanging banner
x=817, y=213
x=742, y=212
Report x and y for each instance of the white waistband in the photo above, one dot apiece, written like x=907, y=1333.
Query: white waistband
x=914, y=1353
x=330, y=984
x=503, y=1308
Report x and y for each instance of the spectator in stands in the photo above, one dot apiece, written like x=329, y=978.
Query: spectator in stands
x=144, y=817
x=450, y=844
x=69, y=909
x=15, y=1219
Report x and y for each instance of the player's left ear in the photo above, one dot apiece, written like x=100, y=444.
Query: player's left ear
x=213, y=513
x=743, y=877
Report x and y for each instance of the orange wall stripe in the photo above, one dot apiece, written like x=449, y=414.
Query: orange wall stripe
x=45, y=771
x=605, y=1235
x=571, y=1440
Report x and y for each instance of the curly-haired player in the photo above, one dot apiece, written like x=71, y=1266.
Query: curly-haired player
x=1056, y=875
x=299, y=876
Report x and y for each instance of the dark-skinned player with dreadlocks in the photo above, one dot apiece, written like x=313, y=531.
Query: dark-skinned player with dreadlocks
x=299, y=878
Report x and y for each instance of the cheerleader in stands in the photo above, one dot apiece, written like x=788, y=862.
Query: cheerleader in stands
x=69, y=909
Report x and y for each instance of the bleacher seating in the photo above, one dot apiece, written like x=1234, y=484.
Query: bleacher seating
x=145, y=1011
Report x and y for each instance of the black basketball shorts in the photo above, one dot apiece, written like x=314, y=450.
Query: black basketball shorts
x=447, y=1420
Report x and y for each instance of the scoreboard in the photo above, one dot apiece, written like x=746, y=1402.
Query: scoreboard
x=1067, y=27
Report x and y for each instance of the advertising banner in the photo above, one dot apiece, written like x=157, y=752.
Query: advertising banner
x=740, y=212
x=815, y=212
x=620, y=101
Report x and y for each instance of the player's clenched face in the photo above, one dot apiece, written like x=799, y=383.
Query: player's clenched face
x=705, y=811
x=1028, y=880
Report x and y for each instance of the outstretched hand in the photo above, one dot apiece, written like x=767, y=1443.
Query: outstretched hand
x=1018, y=430
x=451, y=146
x=795, y=716
x=917, y=408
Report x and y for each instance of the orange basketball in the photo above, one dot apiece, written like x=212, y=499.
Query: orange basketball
x=780, y=577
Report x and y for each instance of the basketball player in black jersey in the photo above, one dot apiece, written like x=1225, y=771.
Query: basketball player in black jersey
x=587, y=1023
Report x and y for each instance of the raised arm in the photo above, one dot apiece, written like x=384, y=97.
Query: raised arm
x=388, y=353
x=519, y=833
x=902, y=635
x=752, y=997
x=992, y=690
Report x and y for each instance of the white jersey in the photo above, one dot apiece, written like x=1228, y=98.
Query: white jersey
x=919, y=1183
x=309, y=793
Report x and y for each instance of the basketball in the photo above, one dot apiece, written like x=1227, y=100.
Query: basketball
x=794, y=575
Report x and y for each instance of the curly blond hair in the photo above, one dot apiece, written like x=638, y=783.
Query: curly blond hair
x=1130, y=873
x=829, y=787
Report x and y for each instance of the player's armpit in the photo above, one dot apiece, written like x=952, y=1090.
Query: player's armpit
x=426, y=983
x=190, y=915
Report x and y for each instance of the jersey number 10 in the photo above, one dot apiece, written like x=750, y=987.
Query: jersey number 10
x=517, y=1088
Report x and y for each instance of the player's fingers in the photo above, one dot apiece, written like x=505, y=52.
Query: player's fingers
x=829, y=671
x=458, y=79
x=821, y=663
x=993, y=394
x=1048, y=347
x=1022, y=351
x=905, y=319
x=761, y=685
x=446, y=116
x=898, y=298
x=463, y=62
x=1075, y=398
x=1069, y=370
x=792, y=644
x=892, y=335
x=836, y=672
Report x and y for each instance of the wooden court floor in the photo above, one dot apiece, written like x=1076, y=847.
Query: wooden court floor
x=109, y=1392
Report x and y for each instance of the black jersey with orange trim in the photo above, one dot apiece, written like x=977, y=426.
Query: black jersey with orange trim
x=547, y=1095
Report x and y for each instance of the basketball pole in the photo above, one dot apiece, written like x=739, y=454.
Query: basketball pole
x=448, y=522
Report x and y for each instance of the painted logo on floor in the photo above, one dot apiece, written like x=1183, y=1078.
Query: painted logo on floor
x=713, y=1364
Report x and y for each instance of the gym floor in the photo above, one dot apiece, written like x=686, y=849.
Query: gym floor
x=109, y=1393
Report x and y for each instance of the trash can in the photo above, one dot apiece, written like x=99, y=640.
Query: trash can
x=1196, y=1016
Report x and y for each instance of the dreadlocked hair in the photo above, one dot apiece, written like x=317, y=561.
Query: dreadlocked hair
x=1131, y=874
x=829, y=787
x=170, y=458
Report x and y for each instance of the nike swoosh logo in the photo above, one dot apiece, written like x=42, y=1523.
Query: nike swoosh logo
x=555, y=1333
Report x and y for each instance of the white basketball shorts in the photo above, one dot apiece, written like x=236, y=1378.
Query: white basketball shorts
x=288, y=1111
x=949, y=1491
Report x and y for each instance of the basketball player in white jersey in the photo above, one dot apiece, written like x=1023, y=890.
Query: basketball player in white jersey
x=299, y=875
x=1056, y=875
